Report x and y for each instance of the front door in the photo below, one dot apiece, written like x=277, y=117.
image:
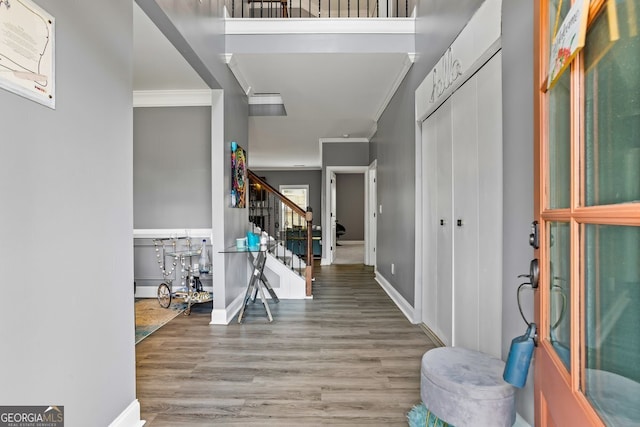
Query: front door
x=587, y=203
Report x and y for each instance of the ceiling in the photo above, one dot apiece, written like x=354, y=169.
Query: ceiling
x=326, y=96
x=332, y=96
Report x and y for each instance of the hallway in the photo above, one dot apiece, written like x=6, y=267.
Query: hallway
x=346, y=357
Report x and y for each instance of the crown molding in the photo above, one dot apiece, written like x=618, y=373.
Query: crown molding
x=172, y=98
x=406, y=65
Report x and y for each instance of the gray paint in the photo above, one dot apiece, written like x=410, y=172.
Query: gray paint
x=172, y=167
x=350, y=204
x=438, y=22
x=312, y=178
x=66, y=224
x=196, y=29
x=517, y=99
x=395, y=147
x=345, y=154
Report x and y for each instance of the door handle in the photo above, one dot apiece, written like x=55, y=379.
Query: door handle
x=459, y=222
x=443, y=222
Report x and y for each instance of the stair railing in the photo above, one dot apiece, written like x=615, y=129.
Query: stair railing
x=289, y=227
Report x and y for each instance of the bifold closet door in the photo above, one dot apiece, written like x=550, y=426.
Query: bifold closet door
x=437, y=296
x=476, y=111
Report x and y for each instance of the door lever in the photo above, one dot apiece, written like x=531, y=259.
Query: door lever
x=534, y=273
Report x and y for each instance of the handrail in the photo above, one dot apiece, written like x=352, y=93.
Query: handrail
x=265, y=213
x=256, y=179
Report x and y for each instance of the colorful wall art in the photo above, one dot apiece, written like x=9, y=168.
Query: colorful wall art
x=238, y=176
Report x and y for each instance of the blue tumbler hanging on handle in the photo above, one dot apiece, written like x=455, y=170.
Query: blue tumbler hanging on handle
x=519, y=359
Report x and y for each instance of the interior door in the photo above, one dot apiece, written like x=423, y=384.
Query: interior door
x=437, y=207
x=372, y=211
x=587, y=204
x=332, y=190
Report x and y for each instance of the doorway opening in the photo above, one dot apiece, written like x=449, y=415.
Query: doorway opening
x=348, y=234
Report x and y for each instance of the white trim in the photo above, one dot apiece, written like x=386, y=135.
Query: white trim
x=371, y=200
x=406, y=65
x=224, y=316
x=402, y=303
x=265, y=99
x=172, y=98
x=287, y=169
x=326, y=209
x=237, y=26
x=164, y=233
x=322, y=141
x=152, y=291
x=340, y=140
x=232, y=63
x=130, y=417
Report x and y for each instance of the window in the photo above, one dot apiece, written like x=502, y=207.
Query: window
x=298, y=194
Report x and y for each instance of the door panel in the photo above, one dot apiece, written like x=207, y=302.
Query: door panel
x=465, y=215
x=332, y=247
x=430, y=223
x=489, y=90
x=588, y=203
x=444, y=186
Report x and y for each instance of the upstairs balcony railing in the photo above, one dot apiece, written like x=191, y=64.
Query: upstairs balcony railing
x=289, y=227
x=320, y=8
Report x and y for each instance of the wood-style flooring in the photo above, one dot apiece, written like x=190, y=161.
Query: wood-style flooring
x=347, y=357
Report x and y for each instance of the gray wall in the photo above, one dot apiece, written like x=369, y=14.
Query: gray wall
x=171, y=179
x=350, y=204
x=172, y=167
x=196, y=29
x=437, y=25
x=517, y=99
x=345, y=154
x=66, y=224
x=312, y=178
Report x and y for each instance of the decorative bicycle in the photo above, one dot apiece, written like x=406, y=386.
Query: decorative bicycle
x=180, y=252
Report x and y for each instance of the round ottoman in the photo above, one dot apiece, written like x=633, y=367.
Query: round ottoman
x=465, y=388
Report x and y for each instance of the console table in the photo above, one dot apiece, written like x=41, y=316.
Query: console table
x=257, y=283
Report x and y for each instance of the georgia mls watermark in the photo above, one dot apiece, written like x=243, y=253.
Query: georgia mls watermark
x=32, y=416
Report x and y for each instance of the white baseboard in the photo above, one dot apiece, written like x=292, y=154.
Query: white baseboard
x=152, y=291
x=130, y=417
x=520, y=422
x=225, y=315
x=402, y=303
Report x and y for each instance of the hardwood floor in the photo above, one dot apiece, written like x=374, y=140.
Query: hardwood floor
x=347, y=357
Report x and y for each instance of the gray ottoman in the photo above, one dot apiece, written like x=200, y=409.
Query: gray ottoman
x=465, y=388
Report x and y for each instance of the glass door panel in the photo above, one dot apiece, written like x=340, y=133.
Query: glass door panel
x=559, y=153
x=559, y=290
x=612, y=341
x=612, y=106
x=560, y=143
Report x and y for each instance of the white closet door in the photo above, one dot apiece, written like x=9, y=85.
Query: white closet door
x=437, y=296
x=477, y=188
x=490, y=210
x=462, y=206
x=429, y=224
x=464, y=113
x=444, y=207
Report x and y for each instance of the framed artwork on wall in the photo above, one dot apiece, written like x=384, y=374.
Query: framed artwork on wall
x=238, y=176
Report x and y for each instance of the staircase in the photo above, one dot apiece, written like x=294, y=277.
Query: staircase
x=289, y=228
